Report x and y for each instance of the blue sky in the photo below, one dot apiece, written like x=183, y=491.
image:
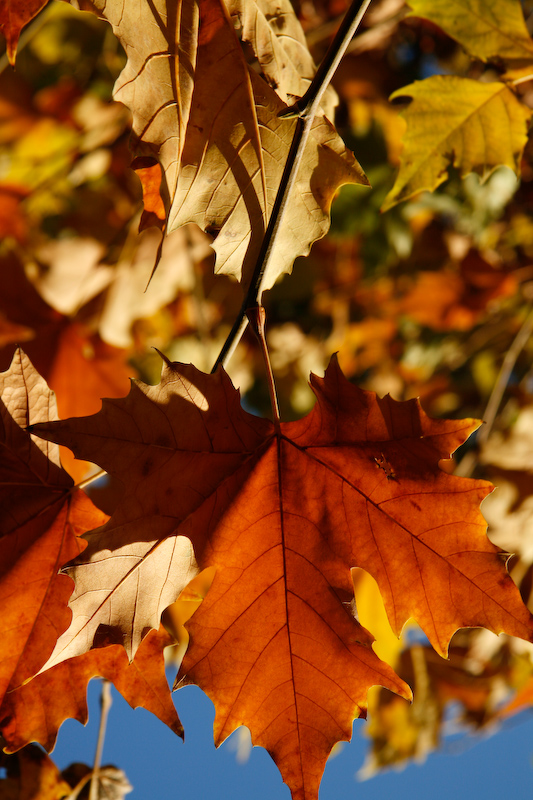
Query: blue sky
x=162, y=767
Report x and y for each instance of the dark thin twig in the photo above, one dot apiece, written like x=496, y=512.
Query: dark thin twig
x=502, y=380
x=309, y=103
x=465, y=468
x=304, y=110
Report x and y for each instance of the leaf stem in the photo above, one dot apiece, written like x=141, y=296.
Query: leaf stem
x=256, y=317
x=90, y=479
x=304, y=110
x=105, y=705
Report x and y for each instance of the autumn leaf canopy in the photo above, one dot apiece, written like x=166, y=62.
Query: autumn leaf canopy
x=285, y=540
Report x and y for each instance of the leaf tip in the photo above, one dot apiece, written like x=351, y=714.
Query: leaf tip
x=166, y=360
x=333, y=362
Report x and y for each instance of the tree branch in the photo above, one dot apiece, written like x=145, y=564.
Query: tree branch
x=305, y=110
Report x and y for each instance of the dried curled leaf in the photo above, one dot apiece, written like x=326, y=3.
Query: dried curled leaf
x=282, y=518
x=461, y=123
x=277, y=38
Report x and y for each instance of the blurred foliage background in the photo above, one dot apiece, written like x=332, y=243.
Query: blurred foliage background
x=433, y=298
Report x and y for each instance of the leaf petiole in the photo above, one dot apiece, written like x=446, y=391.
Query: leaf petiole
x=90, y=479
x=256, y=317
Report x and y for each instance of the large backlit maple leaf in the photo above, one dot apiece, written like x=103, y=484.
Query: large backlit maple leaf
x=283, y=516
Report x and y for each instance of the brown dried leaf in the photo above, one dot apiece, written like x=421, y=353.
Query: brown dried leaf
x=277, y=38
x=33, y=594
x=211, y=122
x=130, y=299
x=72, y=273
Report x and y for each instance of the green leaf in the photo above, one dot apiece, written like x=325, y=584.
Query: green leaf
x=487, y=29
x=472, y=126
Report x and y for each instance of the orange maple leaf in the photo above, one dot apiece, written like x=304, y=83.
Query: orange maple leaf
x=31, y=476
x=283, y=516
x=31, y=773
x=33, y=712
x=84, y=368
x=42, y=518
x=14, y=15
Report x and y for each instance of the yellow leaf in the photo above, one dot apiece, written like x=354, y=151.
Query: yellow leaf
x=520, y=74
x=461, y=123
x=487, y=29
x=372, y=616
x=42, y=155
